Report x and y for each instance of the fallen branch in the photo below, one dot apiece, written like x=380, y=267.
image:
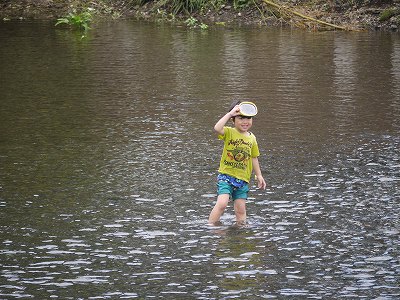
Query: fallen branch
x=304, y=16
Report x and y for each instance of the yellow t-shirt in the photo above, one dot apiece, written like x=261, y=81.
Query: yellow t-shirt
x=239, y=149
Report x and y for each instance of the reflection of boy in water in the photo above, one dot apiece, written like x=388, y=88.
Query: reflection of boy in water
x=239, y=158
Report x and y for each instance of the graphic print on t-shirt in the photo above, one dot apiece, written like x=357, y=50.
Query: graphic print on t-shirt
x=238, y=153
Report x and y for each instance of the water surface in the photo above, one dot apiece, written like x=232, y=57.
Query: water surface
x=108, y=163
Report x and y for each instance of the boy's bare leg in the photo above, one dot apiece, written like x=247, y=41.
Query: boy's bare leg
x=219, y=208
x=240, y=211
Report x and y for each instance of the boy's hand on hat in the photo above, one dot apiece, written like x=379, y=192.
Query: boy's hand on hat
x=235, y=111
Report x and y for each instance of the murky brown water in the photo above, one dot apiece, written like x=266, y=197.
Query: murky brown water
x=108, y=163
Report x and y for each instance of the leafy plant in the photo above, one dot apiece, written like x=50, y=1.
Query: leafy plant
x=192, y=22
x=203, y=26
x=80, y=21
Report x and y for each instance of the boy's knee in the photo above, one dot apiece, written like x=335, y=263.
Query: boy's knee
x=240, y=208
x=221, y=205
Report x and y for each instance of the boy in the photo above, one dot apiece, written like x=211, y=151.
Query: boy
x=239, y=158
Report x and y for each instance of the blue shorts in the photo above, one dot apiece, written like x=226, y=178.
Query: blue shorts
x=234, y=192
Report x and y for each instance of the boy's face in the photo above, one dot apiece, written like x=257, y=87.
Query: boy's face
x=242, y=123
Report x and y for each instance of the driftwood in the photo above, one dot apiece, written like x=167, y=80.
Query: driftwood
x=290, y=11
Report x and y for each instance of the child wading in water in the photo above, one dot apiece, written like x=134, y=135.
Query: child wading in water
x=239, y=158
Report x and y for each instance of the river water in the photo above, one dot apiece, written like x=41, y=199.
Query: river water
x=108, y=163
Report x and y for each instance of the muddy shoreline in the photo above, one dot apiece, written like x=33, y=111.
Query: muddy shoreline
x=354, y=18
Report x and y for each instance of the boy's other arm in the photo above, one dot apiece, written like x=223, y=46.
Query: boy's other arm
x=219, y=127
x=257, y=170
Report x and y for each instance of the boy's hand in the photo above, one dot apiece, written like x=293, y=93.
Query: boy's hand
x=235, y=111
x=261, y=184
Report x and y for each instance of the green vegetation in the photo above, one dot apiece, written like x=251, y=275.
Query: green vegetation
x=79, y=21
x=192, y=22
x=188, y=6
x=312, y=14
x=388, y=13
x=240, y=4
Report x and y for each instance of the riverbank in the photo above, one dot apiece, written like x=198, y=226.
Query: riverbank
x=353, y=17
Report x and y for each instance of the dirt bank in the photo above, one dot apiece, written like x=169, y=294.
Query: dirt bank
x=367, y=17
